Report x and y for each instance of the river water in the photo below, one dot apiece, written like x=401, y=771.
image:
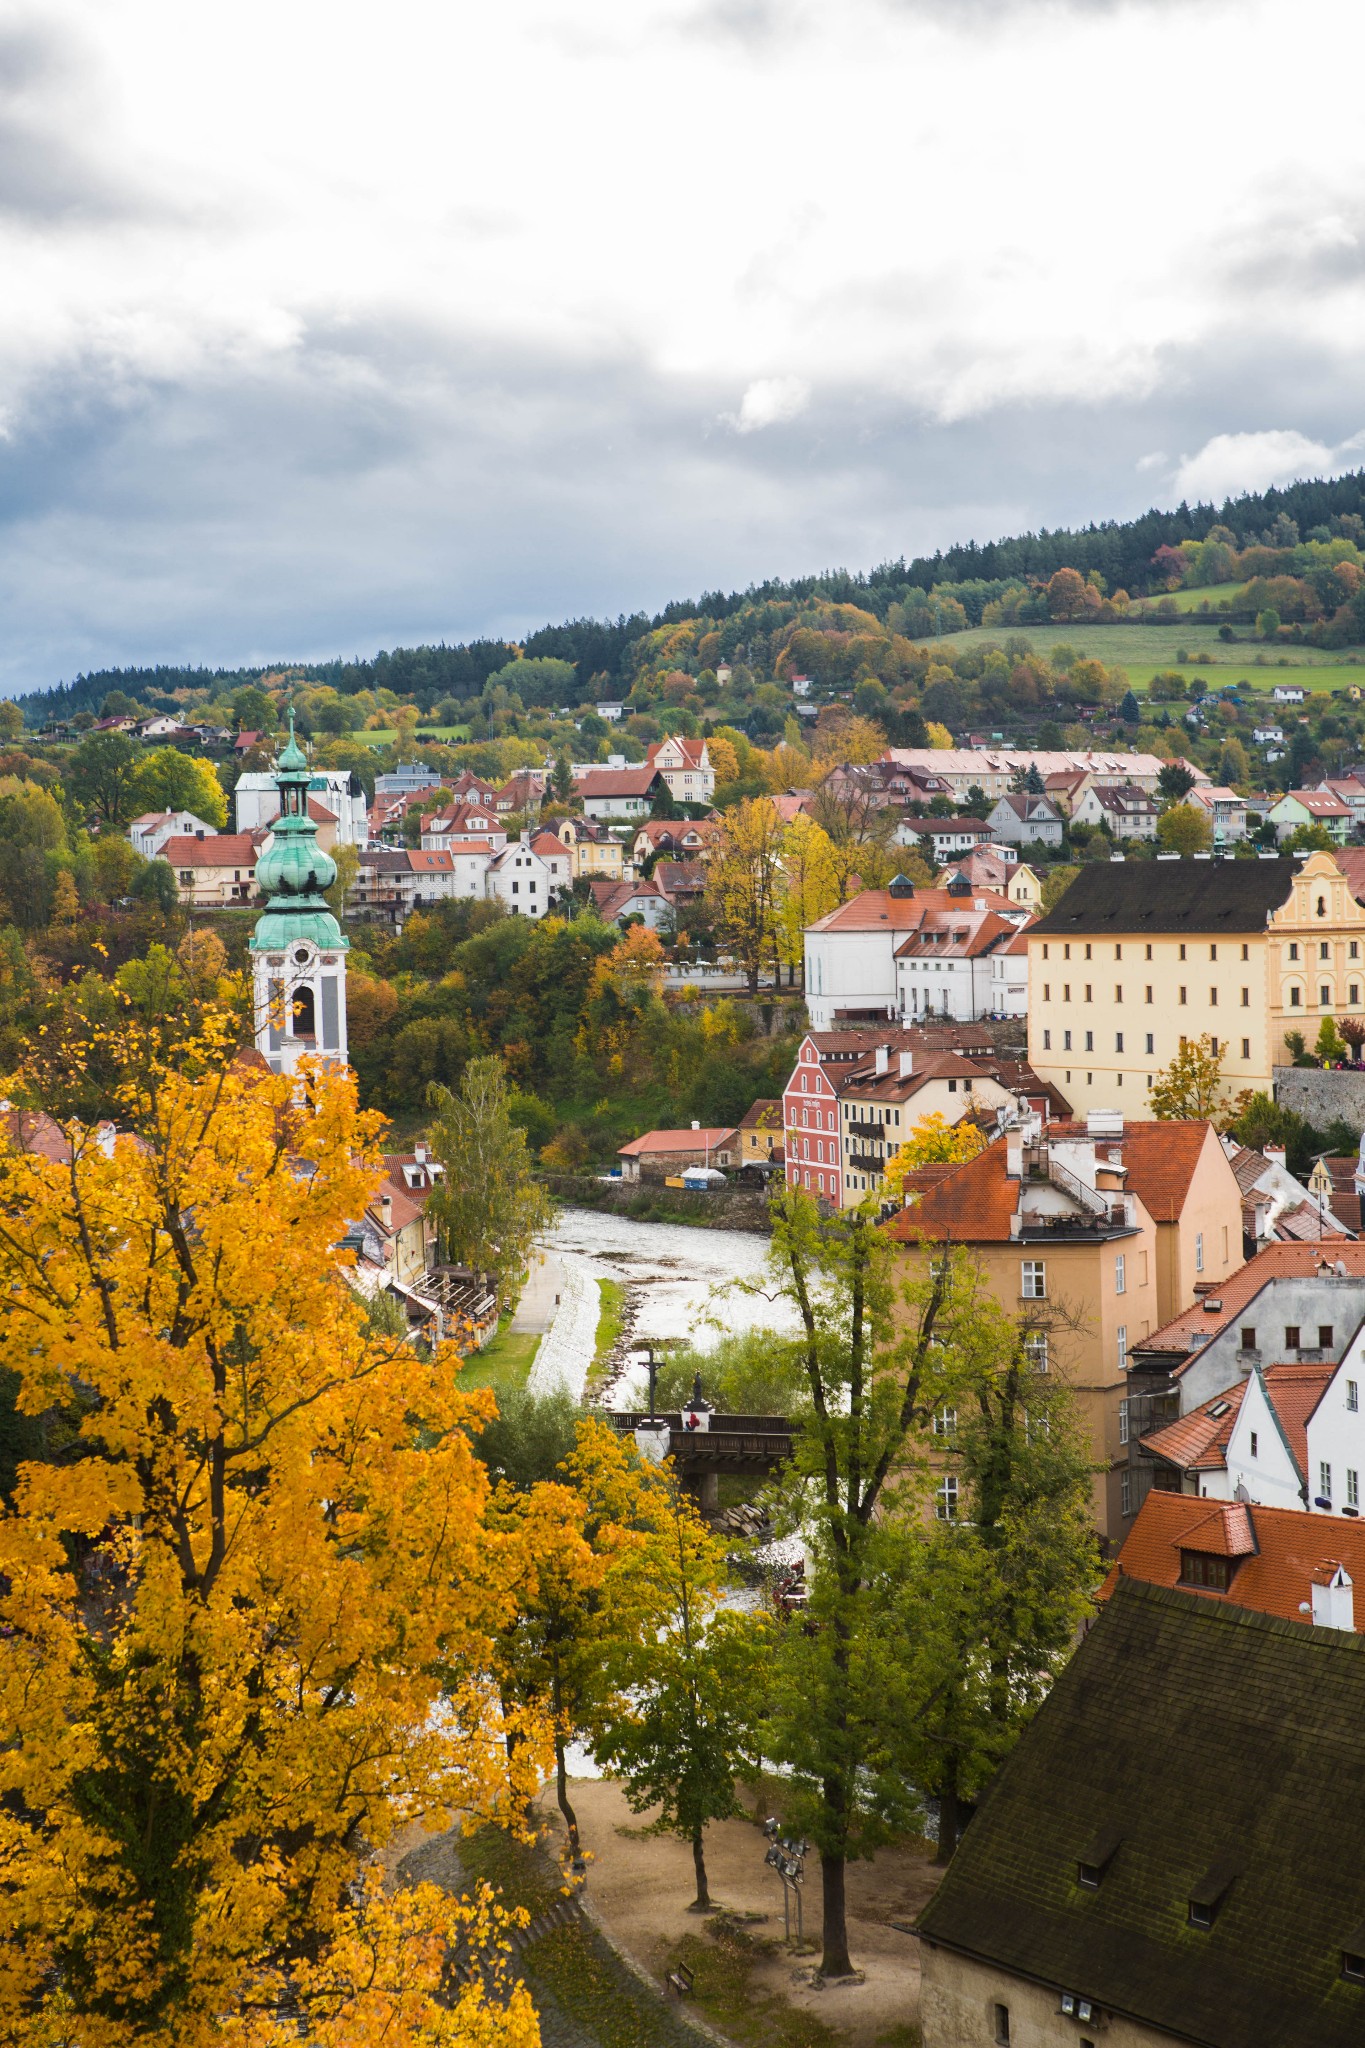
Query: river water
x=681, y=1281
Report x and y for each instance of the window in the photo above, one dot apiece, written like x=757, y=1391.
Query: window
x=1121, y=1342
x=1126, y=1493
x=1291, y=1337
x=1118, y=991
x=1033, y=1280
x=1325, y=996
x=1293, y=949
x=1246, y=952
x=1087, y=992
x=1246, y=998
x=1213, y=1047
x=1090, y=1041
x=945, y=1500
x=1149, y=952
x=1087, y=952
x=1148, y=997
x=1295, y=998
x=1123, y=1421
x=1255, y=1444
x=1119, y=1273
x=1352, y=1966
x=1151, y=1042
x=1198, y=1568
x=1035, y=1349
x=1213, y=952
x=1324, y=1481
x=1213, y=999
x=1352, y=1487
x=1325, y=1334
x=1066, y=1041
x=1324, y=951
x=1353, y=995
x=945, y=1420
x=1183, y=995
x=1047, y=991
x=1066, y=952
x=1066, y=991
x=1045, y=949
x=1002, y=2026
x=1118, y=1041
x=1353, y=1396
x=1199, y=1251
x=1248, y=1337
x=1182, y=952
x=1246, y=1048
x=1047, y=1041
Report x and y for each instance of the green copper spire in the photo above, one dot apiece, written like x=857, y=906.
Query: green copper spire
x=295, y=871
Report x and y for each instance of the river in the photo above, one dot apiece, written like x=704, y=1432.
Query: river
x=681, y=1280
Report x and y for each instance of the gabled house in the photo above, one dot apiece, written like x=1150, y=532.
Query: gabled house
x=850, y=955
x=397, y=1215
x=1311, y=807
x=614, y=902
x=214, y=870
x=1022, y=819
x=659, y=1155
x=148, y=834
x=1128, y=812
x=1242, y=1554
x=685, y=766
x=618, y=793
x=1169, y=1854
x=1224, y=809
x=941, y=838
x=945, y=968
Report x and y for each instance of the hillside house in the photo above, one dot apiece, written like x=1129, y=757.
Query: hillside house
x=661, y=1155
x=214, y=870
x=618, y=793
x=1020, y=819
x=148, y=834
x=685, y=766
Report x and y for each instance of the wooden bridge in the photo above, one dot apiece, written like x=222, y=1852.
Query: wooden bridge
x=747, y=1445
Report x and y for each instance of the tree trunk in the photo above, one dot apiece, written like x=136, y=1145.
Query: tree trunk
x=949, y=1824
x=703, y=1898
x=562, y=1796
x=835, y=1961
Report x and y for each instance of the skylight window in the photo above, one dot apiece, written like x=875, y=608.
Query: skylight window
x=1219, y=1408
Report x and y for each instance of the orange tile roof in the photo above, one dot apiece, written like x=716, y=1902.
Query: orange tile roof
x=678, y=1141
x=1194, y=1326
x=973, y=1203
x=1161, y=1159
x=870, y=909
x=1295, y=1391
x=1198, y=1442
x=215, y=850
x=1293, y=1551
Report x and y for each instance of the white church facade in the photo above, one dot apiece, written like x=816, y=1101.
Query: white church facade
x=298, y=950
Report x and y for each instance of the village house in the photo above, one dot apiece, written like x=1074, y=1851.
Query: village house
x=946, y=968
x=1000, y=869
x=851, y=968
x=759, y=1135
x=685, y=766
x=680, y=883
x=1091, y=1232
x=681, y=839
x=664, y=1155
x=883, y=1096
x=149, y=833
x=214, y=870
x=391, y=882
x=519, y=878
x=618, y=793
x=1021, y=819
x=614, y=902
x=1127, y=811
x=960, y=770
x=1288, y=693
x=1351, y=791
x=593, y=850
x=558, y=862
x=939, y=839
x=1168, y=1855
x=1311, y=807
x=1138, y=957
x=464, y=820
x=1225, y=811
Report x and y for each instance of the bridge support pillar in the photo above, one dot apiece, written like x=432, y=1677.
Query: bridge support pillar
x=704, y=1488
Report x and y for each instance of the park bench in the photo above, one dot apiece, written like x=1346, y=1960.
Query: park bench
x=680, y=1980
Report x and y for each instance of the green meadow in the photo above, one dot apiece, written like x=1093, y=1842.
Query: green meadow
x=1143, y=650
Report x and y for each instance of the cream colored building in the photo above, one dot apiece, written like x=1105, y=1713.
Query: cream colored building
x=1139, y=956
x=592, y=852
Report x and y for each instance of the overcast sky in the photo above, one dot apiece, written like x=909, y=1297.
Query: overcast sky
x=332, y=327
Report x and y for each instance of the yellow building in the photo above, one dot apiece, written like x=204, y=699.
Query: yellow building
x=1140, y=955
x=593, y=851
x=1090, y=1235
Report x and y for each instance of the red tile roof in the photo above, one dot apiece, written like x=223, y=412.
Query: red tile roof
x=1198, y=1442
x=215, y=850
x=873, y=908
x=1292, y=1551
x=618, y=782
x=708, y=1140
x=973, y=1202
x=1193, y=1327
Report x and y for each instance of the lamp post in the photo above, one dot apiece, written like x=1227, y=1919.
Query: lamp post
x=788, y=1859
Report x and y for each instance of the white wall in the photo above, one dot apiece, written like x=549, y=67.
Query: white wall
x=850, y=971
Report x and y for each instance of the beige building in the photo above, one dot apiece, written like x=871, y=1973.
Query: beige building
x=1092, y=1235
x=593, y=851
x=1139, y=956
x=214, y=870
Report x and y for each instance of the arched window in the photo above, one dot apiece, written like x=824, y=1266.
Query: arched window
x=304, y=1024
x=1322, y=906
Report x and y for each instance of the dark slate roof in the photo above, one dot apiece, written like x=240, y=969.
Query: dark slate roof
x=1170, y=896
x=1193, y=1732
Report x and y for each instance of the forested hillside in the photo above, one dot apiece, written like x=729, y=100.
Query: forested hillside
x=925, y=597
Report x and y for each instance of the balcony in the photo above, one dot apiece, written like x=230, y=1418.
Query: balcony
x=1049, y=1226
x=865, y=1130
x=867, y=1162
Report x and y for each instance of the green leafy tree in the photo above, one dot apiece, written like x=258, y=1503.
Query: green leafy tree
x=561, y=779
x=1056, y=882
x=692, y=1694
x=1130, y=711
x=253, y=710
x=1331, y=1046
x=102, y=775
x=1268, y=623
x=1174, y=782
x=1192, y=1085
x=486, y=1205
x=11, y=721
x=156, y=886
x=1184, y=830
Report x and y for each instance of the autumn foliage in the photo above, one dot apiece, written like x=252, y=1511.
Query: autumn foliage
x=249, y=1605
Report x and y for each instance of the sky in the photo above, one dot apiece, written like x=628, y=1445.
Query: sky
x=326, y=328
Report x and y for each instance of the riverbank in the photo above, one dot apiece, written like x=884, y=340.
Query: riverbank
x=652, y=1202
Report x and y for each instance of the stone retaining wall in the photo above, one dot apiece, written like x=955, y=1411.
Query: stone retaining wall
x=1322, y=1094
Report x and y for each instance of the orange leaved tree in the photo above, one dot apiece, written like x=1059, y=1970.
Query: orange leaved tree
x=249, y=1604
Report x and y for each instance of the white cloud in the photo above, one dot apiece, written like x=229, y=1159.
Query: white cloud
x=1156, y=460
x=769, y=402
x=1230, y=463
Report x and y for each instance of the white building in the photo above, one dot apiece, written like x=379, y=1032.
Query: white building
x=618, y=792
x=257, y=801
x=686, y=767
x=519, y=877
x=1129, y=812
x=1023, y=819
x=947, y=968
x=298, y=950
x=851, y=956
x=992, y=769
x=149, y=833
x=1225, y=810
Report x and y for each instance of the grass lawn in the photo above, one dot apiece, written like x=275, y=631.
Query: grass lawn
x=613, y=1298
x=504, y=1362
x=387, y=737
x=1208, y=597
x=1142, y=648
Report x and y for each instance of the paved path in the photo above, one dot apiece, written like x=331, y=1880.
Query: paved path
x=540, y=1295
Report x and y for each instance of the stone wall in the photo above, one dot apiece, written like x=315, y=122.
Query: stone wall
x=1323, y=1094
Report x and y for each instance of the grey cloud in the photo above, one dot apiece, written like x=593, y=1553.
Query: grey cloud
x=46, y=89
x=387, y=485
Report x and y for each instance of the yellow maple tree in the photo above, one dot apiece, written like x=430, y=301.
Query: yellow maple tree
x=742, y=885
x=248, y=1606
x=810, y=885
x=932, y=1142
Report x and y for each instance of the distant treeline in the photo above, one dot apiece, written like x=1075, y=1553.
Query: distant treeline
x=600, y=649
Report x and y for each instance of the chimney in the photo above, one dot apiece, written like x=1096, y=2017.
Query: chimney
x=696, y=1123
x=907, y=1064
x=419, y=1153
x=386, y=1209
x=883, y=1059
x=1334, y=1603
x=1274, y=1155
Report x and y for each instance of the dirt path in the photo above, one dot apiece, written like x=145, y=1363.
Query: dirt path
x=641, y=1885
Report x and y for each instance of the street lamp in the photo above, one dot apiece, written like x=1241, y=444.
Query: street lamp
x=788, y=1859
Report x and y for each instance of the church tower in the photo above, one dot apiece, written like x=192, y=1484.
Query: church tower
x=298, y=951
